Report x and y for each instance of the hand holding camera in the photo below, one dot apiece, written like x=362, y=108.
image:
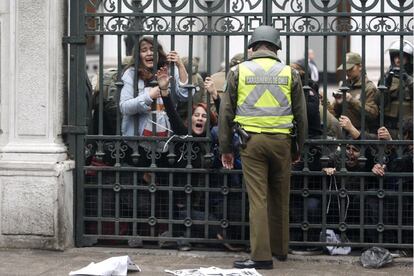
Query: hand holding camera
x=337, y=94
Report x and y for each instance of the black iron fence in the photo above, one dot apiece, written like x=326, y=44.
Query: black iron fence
x=181, y=195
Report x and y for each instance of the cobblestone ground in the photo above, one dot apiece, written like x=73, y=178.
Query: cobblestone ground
x=154, y=262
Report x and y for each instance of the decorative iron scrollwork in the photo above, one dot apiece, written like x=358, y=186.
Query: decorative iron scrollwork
x=312, y=152
x=117, y=149
x=410, y=25
x=191, y=24
x=239, y=5
x=344, y=24
x=172, y=5
x=206, y=5
x=306, y=24
x=117, y=23
x=295, y=5
x=137, y=5
x=155, y=24
x=228, y=24
x=325, y=3
x=188, y=18
x=187, y=148
x=378, y=157
x=382, y=24
x=109, y=5
x=364, y=5
x=399, y=5
x=89, y=150
x=149, y=152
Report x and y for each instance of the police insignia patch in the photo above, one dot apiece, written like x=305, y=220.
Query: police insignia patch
x=266, y=80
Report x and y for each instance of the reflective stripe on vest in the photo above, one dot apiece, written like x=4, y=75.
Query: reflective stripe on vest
x=264, y=96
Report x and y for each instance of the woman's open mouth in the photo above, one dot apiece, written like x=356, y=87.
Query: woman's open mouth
x=149, y=60
x=199, y=127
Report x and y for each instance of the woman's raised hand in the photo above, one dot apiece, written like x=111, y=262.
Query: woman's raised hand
x=173, y=56
x=163, y=78
x=211, y=87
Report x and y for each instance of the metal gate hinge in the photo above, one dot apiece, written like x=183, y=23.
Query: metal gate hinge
x=71, y=129
x=74, y=40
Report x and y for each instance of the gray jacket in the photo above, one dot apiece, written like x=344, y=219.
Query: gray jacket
x=139, y=108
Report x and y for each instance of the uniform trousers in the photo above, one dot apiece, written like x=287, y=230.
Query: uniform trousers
x=266, y=164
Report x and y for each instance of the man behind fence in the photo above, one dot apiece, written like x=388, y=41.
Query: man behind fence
x=353, y=98
x=263, y=98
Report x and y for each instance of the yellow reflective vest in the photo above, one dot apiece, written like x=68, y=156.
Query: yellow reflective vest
x=264, y=96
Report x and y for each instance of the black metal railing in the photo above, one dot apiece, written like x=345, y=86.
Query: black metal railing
x=170, y=201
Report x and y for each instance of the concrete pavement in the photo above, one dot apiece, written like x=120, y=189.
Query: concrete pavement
x=24, y=262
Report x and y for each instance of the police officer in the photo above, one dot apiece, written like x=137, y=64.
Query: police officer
x=400, y=73
x=264, y=97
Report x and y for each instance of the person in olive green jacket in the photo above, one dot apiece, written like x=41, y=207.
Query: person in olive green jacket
x=354, y=106
x=264, y=97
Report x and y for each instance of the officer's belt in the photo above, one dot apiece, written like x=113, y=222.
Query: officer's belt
x=273, y=134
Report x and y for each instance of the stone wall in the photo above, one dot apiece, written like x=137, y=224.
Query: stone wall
x=36, y=183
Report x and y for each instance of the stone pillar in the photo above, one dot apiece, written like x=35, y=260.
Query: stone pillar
x=36, y=183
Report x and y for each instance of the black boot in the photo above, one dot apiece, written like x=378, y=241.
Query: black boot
x=254, y=264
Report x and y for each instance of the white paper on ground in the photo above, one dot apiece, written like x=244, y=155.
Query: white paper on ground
x=214, y=271
x=118, y=266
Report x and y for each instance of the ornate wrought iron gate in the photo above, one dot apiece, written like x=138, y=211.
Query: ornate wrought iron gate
x=119, y=203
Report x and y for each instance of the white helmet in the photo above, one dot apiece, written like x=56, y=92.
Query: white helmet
x=407, y=48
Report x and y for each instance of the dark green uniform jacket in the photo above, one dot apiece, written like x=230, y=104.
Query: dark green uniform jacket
x=229, y=104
